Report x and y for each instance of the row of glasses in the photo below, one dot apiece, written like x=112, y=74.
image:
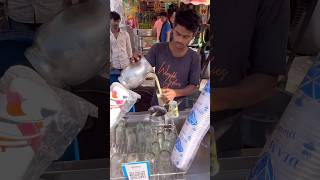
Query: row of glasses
x=142, y=142
x=165, y=165
x=141, y=135
x=131, y=140
x=141, y=139
x=161, y=148
x=120, y=137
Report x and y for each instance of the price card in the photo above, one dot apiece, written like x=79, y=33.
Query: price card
x=136, y=170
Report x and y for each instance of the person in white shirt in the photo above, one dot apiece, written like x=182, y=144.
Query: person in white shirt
x=28, y=15
x=120, y=47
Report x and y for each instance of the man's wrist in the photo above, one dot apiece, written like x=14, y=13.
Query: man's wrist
x=179, y=92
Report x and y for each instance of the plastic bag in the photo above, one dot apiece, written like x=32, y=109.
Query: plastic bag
x=121, y=101
x=41, y=122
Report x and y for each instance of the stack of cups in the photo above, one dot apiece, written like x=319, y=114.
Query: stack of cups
x=193, y=131
x=293, y=149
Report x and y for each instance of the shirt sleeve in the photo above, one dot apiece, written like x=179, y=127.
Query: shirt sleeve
x=194, y=75
x=270, y=39
x=167, y=27
x=151, y=55
x=128, y=44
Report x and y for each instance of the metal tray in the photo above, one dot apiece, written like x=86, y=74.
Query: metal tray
x=156, y=124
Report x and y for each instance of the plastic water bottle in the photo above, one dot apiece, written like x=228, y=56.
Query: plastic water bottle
x=194, y=129
x=293, y=151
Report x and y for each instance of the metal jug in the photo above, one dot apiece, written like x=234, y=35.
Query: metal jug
x=134, y=75
x=72, y=47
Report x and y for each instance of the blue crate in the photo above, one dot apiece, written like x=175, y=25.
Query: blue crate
x=12, y=47
x=72, y=153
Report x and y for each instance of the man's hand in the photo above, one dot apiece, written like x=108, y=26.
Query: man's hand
x=136, y=57
x=169, y=95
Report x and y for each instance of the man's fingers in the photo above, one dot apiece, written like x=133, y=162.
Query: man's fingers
x=165, y=90
x=166, y=99
x=169, y=98
x=132, y=60
x=137, y=55
x=165, y=94
x=135, y=59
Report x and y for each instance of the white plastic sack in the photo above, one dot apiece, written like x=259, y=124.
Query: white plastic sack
x=121, y=101
x=292, y=152
x=37, y=123
x=193, y=131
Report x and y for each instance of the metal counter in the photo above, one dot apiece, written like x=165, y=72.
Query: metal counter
x=235, y=167
x=232, y=167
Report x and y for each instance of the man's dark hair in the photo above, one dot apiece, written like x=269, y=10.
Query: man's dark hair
x=189, y=19
x=115, y=16
x=164, y=14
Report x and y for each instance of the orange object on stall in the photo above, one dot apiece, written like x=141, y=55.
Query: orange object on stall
x=197, y=2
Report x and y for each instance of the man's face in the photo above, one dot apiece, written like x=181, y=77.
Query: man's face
x=181, y=36
x=172, y=18
x=115, y=24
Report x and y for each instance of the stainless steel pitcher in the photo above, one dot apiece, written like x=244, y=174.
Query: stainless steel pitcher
x=72, y=47
x=134, y=75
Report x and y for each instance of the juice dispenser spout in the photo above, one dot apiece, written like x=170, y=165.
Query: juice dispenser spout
x=157, y=111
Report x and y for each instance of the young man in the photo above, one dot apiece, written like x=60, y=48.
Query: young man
x=165, y=29
x=177, y=67
x=120, y=47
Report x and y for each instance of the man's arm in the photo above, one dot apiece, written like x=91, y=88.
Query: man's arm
x=168, y=31
x=187, y=91
x=170, y=94
x=154, y=28
x=168, y=36
x=128, y=45
x=250, y=91
x=268, y=54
